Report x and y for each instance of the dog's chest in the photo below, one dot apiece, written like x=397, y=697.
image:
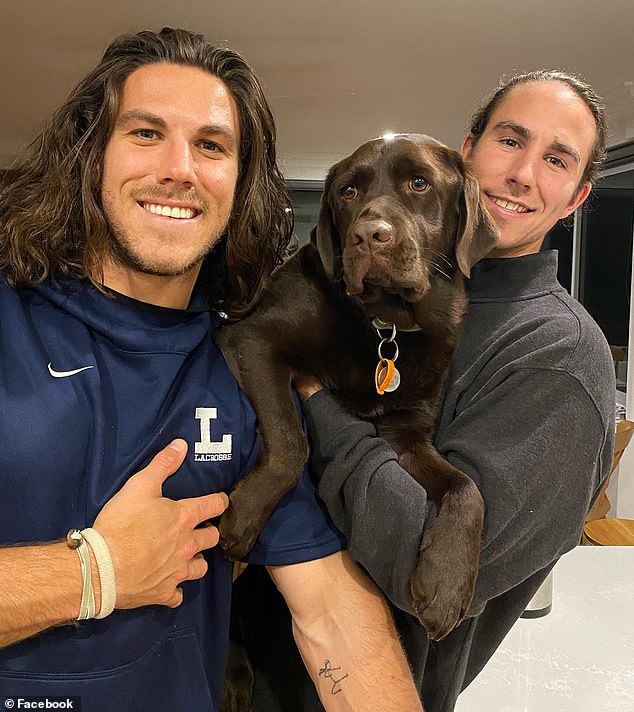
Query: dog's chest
x=359, y=370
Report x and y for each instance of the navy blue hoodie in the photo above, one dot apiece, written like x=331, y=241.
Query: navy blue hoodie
x=144, y=375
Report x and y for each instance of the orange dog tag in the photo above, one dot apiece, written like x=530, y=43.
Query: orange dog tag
x=387, y=378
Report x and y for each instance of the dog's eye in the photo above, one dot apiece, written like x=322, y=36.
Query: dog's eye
x=418, y=184
x=349, y=192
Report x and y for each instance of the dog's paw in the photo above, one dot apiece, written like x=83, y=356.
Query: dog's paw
x=442, y=585
x=237, y=533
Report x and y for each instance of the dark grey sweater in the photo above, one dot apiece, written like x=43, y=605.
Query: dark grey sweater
x=529, y=415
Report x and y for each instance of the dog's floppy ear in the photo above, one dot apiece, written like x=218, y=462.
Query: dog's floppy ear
x=325, y=235
x=477, y=235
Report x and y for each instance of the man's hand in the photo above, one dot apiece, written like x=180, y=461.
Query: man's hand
x=306, y=386
x=155, y=542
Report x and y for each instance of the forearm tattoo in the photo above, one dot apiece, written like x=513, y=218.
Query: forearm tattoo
x=334, y=675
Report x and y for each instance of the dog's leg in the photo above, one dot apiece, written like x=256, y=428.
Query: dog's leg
x=267, y=384
x=444, y=579
x=237, y=689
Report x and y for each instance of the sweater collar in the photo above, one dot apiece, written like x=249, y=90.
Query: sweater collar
x=510, y=278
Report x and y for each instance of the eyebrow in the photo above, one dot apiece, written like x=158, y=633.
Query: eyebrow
x=557, y=146
x=515, y=128
x=149, y=118
x=568, y=150
x=137, y=115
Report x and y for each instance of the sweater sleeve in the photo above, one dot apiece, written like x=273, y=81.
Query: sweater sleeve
x=532, y=446
x=376, y=504
x=538, y=448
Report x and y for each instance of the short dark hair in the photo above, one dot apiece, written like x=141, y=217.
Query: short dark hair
x=584, y=91
x=51, y=218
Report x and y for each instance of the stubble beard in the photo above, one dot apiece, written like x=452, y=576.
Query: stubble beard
x=124, y=252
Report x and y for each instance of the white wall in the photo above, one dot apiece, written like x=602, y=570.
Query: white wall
x=621, y=489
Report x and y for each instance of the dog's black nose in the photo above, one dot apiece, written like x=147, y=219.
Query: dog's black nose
x=372, y=231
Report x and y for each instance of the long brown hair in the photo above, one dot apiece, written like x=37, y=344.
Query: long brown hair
x=51, y=218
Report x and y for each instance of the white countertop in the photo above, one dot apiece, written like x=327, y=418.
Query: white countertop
x=579, y=657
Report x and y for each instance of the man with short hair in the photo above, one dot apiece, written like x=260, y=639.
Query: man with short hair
x=151, y=196
x=528, y=411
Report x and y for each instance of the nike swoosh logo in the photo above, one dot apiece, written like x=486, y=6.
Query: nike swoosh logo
x=65, y=374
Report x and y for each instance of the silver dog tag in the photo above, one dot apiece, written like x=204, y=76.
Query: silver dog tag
x=394, y=383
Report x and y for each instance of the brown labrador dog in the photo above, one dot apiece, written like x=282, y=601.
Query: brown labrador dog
x=379, y=287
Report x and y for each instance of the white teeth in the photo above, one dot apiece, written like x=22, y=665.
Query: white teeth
x=513, y=207
x=167, y=211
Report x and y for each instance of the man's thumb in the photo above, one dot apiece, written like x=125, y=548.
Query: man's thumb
x=165, y=462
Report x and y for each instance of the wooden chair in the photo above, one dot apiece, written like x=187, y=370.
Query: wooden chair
x=599, y=531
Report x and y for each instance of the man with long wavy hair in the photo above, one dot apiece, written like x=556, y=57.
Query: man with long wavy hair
x=150, y=201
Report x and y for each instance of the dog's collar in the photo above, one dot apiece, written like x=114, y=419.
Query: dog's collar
x=388, y=325
x=387, y=378
x=377, y=323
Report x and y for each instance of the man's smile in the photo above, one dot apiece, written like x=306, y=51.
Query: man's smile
x=509, y=205
x=171, y=211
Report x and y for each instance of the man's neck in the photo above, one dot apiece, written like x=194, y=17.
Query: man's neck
x=517, y=251
x=172, y=291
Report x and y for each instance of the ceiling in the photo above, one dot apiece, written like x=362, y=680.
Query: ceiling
x=336, y=73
